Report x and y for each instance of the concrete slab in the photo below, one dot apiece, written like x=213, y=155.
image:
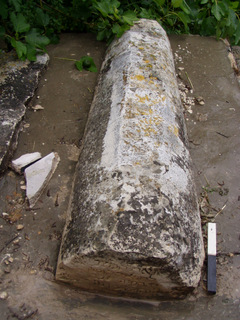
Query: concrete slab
x=133, y=226
x=18, y=82
x=38, y=175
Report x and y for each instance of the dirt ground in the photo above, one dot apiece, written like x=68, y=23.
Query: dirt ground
x=28, y=256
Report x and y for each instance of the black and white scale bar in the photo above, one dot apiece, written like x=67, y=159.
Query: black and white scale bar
x=212, y=251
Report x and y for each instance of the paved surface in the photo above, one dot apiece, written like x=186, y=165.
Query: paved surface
x=28, y=255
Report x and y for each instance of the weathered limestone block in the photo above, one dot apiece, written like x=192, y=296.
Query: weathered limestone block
x=133, y=226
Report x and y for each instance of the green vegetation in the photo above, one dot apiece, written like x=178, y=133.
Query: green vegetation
x=29, y=26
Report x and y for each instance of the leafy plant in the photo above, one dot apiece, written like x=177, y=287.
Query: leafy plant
x=26, y=27
x=85, y=63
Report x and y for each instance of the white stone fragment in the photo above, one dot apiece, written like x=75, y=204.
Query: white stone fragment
x=38, y=175
x=38, y=107
x=25, y=160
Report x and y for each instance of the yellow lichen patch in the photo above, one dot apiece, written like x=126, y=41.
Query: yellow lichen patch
x=146, y=61
x=137, y=164
x=174, y=130
x=138, y=77
x=120, y=210
x=163, y=98
x=140, y=48
x=142, y=99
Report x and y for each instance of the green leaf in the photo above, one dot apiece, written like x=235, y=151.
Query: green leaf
x=102, y=35
x=31, y=53
x=217, y=11
x=129, y=17
x=231, y=19
x=185, y=19
x=160, y=3
x=86, y=63
x=119, y=30
x=208, y=26
x=146, y=14
x=107, y=7
x=176, y=3
x=36, y=39
x=79, y=65
x=185, y=7
x=234, y=4
x=19, y=23
x=4, y=9
x=237, y=35
x=17, y=4
x=116, y=28
x=20, y=47
x=204, y=1
x=42, y=18
x=2, y=31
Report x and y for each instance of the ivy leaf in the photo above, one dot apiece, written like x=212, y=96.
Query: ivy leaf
x=20, y=47
x=129, y=17
x=19, y=22
x=36, y=39
x=86, y=63
x=176, y=3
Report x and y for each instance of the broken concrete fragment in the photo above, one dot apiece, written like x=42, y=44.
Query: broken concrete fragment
x=38, y=175
x=133, y=227
x=25, y=160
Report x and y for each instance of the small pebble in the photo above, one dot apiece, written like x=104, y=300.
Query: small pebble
x=20, y=227
x=5, y=214
x=3, y=295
